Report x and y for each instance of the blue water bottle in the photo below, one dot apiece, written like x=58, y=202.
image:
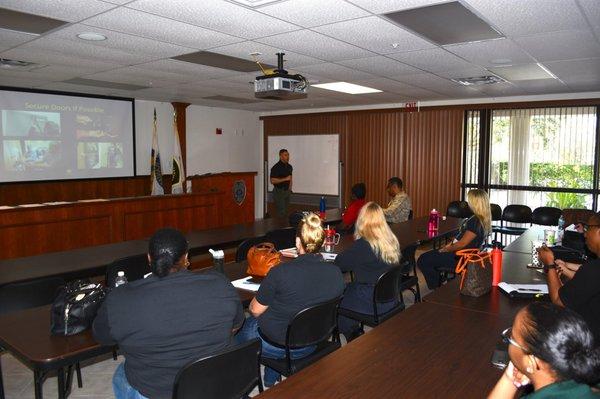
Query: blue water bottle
x=322, y=208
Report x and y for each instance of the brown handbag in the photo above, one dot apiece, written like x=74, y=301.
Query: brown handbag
x=261, y=258
x=476, y=270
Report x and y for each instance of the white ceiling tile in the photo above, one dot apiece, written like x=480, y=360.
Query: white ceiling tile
x=335, y=72
x=315, y=45
x=142, y=77
x=542, y=86
x=380, y=65
x=11, y=81
x=470, y=72
x=49, y=57
x=437, y=84
x=10, y=38
x=51, y=74
x=393, y=86
x=159, y=28
x=219, y=15
x=375, y=34
x=195, y=71
x=64, y=10
x=519, y=17
x=501, y=89
x=558, y=46
x=308, y=13
x=482, y=53
x=61, y=86
x=588, y=85
x=591, y=8
x=385, y=6
x=432, y=60
x=120, y=2
x=267, y=54
x=576, y=71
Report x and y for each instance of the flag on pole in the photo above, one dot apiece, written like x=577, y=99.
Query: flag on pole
x=155, y=167
x=178, y=186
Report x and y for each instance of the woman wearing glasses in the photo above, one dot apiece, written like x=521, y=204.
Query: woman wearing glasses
x=552, y=349
x=581, y=292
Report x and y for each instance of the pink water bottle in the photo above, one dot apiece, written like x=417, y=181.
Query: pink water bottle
x=434, y=220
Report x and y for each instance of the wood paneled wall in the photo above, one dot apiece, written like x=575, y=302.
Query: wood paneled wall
x=73, y=190
x=423, y=148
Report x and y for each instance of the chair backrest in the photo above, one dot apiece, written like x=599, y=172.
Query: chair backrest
x=408, y=262
x=410, y=215
x=231, y=373
x=496, y=212
x=459, y=209
x=29, y=294
x=282, y=238
x=517, y=214
x=242, y=250
x=135, y=268
x=386, y=288
x=546, y=215
x=574, y=215
x=295, y=218
x=313, y=325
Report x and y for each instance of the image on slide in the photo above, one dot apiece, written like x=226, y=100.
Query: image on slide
x=100, y=155
x=94, y=126
x=41, y=154
x=30, y=123
x=13, y=156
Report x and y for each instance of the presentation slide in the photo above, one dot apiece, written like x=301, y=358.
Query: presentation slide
x=56, y=137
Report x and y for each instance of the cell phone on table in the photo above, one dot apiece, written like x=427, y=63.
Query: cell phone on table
x=500, y=357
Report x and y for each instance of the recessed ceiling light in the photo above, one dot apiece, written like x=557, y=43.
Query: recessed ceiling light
x=91, y=36
x=345, y=87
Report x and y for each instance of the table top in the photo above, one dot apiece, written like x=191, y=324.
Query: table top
x=523, y=242
x=425, y=351
x=93, y=260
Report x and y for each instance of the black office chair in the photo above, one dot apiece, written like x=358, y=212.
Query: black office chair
x=135, y=268
x=410, y=215
x=496, y=211
x=386, y=290
x=546, y=216
x=31, y=294
x=315, y=325
x=407, y=280
x=515, y=214
x=229, y=374
x=282, y=238
x=242, y=250
x=295, y=218
x=459, y=209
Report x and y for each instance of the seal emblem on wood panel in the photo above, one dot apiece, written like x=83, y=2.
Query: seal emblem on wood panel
x=239, y=192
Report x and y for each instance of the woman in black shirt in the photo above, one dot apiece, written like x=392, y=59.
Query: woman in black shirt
x=375, y=250
x=471, y=234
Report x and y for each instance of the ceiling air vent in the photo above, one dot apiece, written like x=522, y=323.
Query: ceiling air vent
x=479, y=80
x=5, y=63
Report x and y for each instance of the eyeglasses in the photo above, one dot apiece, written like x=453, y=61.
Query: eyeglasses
x=508, y=339
x=586, y=227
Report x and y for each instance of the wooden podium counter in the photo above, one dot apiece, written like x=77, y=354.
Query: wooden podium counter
x=41, y=228
x=238, y=194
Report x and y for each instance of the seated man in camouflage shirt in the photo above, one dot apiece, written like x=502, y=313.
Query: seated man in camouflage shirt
x=398, y=209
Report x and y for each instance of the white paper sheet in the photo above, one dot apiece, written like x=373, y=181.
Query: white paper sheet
x=245, y=284
x=524, y=288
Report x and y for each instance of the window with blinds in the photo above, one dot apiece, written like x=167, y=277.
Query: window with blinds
x=536, y=157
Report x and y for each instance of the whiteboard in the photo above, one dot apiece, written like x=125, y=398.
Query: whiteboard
x=315, y=159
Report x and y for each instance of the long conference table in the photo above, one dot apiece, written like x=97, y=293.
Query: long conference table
x=439, y=348
x=26, y=334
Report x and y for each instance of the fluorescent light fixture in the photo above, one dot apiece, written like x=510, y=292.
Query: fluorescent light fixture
x=91, y=36
x=345, y=87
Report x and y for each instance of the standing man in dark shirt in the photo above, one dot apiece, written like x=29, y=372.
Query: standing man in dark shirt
x=281, y=179
x=582, y=292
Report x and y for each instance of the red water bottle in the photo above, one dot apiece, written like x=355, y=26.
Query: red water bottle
x=496, y=265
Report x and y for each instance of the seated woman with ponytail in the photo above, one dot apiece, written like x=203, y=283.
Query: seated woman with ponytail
x=553, y=349
x=167, y=320
x=287, y=289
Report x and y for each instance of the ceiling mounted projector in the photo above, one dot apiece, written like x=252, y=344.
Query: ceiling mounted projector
x=280, y=85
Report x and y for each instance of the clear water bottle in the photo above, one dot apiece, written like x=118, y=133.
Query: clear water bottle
x=561, y=230
x=121, y=279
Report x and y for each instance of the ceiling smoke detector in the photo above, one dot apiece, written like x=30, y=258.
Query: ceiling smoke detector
x=5, y=63
x=479, y=80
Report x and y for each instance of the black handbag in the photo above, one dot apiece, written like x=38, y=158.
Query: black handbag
x=75, y=307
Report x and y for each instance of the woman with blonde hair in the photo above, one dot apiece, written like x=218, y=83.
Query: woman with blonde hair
x=471, y=234
x=374, y=251
x=288, y=288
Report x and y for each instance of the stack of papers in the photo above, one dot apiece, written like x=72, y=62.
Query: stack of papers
x=328, y=256
x=246, y=284
x=289, y=252
x=524, y=290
